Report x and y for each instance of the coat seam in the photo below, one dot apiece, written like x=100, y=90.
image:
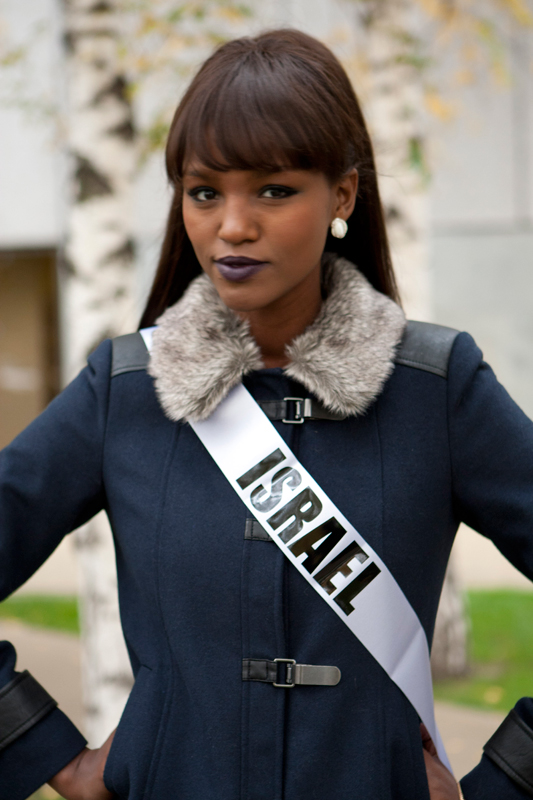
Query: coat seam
x=470, y=380
x=157, y=751
x=245, y=688
x=106, y=426
x=423, y=366
x=454, y=499
x=382, y=714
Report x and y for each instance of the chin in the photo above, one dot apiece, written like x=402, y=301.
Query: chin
x=244, y=305
x=242, y=297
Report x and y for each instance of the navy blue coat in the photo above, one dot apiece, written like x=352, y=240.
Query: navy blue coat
x=197, y=597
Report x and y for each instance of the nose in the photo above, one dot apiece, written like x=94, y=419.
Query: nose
x=237, y=224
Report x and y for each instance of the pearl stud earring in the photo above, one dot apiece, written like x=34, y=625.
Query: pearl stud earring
x=339, y=228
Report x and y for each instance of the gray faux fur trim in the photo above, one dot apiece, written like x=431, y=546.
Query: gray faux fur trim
x=201, y=349
x=347, y=354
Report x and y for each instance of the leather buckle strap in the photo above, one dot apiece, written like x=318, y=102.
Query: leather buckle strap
x=301, y=412
x=264, y=671
x=511, y=748
x=295, y=410
x=23, y=703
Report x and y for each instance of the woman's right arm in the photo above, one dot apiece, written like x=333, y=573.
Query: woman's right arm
x=50, y=484
x=83, y=777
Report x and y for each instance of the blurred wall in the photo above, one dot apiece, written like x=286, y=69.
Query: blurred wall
x=482, y=209
x=31, y=167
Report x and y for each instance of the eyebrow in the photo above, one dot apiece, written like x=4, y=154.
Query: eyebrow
x=194, y=173
x=199, y=173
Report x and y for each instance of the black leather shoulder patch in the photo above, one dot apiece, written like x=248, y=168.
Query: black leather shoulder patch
x=129, y=354
x=511, y=748
x=427, y=347
x=23, y=703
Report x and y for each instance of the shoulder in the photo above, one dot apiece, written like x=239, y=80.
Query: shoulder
x=427, y=347
x=130, y=352
x=438, y=350
x=131, y=388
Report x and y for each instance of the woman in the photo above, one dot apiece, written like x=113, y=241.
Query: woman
x=406, y=430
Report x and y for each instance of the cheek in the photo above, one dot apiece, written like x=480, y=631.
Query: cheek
x=191, y=221
x=303, y=230
x=197, y=228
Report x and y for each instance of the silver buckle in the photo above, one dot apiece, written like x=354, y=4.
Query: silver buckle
x=315, y=675
x=299, y=417
x=289, y=661
x=307, y=674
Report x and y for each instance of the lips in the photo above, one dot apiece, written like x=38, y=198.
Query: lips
x=239, y=268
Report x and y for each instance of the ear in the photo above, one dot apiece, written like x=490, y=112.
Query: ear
x=346, y=194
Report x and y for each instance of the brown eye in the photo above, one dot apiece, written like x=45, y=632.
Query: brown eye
x=277, y=192
x=202, y=194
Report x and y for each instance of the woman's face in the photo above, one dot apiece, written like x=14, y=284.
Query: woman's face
x=260, y=236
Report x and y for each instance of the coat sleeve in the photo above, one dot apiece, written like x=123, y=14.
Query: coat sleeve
x=505, y=771
x=491, y=443
x=50, y=484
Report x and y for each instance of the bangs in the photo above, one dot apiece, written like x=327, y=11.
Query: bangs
x=258, y=116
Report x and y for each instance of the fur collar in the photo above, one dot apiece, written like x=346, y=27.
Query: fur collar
x=201, y=349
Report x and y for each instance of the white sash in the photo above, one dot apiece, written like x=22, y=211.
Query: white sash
x=304, y=523
x=364, y=594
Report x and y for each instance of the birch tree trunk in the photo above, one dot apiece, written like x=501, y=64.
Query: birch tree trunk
x=449, y=653
x=97, y=291
x=394, y=103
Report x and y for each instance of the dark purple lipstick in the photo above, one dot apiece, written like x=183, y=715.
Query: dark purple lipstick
x=239, y=268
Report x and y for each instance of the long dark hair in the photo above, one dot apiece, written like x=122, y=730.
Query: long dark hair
x=278, y=100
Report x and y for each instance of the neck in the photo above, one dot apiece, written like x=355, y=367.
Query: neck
x=276, y=325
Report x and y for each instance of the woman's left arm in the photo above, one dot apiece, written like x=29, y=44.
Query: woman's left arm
x=491, y=443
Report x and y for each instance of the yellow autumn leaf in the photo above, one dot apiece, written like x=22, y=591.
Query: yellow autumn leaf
x=470, y=52
x=440, y=108
x=231, y=13
x=437, y=8
x=520, y=10
x=501, y=74
x=464, y=77
x=147, y=24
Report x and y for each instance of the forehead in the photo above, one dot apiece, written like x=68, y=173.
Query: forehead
x=196, y=170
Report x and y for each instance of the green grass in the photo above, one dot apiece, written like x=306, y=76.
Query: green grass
x=43, y=611
x=501, y=652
